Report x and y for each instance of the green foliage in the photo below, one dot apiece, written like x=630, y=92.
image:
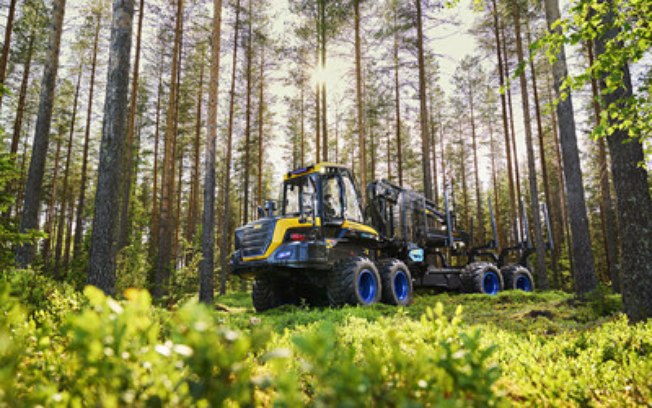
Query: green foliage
x=591, y=19
x=9, y=235
x=61, y=348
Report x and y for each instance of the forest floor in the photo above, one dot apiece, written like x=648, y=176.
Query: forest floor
x=59, y=347
x=551, y=348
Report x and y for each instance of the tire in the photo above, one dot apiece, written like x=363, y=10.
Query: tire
x=481, y=277
x=517, y=277
x=354, y=282
x=264, y=295
x=396, y=282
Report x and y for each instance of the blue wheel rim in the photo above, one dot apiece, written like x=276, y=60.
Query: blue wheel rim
x=523, y=283
x=401, y=286
x=490, y=283
x=367, y=286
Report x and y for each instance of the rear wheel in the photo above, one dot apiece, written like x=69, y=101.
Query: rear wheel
x=355, y=281
x=517, y=277
x=396, y=282
x=481, y=277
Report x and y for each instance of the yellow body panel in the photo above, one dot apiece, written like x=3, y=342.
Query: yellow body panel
x=284, y=224
x=281, y=227
x=359, y=227
x=314, y=169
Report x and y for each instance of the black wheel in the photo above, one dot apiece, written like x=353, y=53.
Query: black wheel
x=481, y=277
x=265, y=295
x=396, y=282
x=355, y=281
x=517, y=277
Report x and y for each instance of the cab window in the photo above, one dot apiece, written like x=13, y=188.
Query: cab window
x=353, y=211
x=332, y=197
x=296, y=190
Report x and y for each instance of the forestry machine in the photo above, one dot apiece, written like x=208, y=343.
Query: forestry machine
x=323, y=248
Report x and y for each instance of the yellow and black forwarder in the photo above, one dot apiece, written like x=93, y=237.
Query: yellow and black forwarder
x=322, y=246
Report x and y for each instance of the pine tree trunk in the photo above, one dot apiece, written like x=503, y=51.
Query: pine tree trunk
x=324, y=117
x=425, y=137
x=247, y=134
x=167, y=226
x=476, y=170
x=633, y=201
x=607, y=215
x=503, y=105
x=49, y=213
x=4, y=58
x=79, y=222
x=102, y=264
x=433, y=145
x=193, y=212
x=125, y=216
x=29, y=221
x=362, y=156
x=585, y=280
x=66, y=173
x=71, y=216
x=206, y=265
x=542, y=273
x=465, y=189
x=561, y=219
x=397, y=99
x=303, y=132
x=20, y=111
x=512, y=143
x=542, y=151
x=156, y=202
x=261, y=124
x=226, y=192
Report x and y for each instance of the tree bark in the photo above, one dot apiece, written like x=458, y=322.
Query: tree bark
x=397, y=100
x=503, y=105
x=102, y=265
x=224, y=248
x=425, y=137
x=607, y=216
x=79, y=223
x=585, y=280
x=542, y=150
x=362, y=156
x=29, y=221
x=193, y=211
x=324, y=117
x=156, y=202
x=4, y=58
x=125, y=216
x=517, y=176
x=66, y=173
x=542, y=273
x=247, y=135
x=49, y=213
x=261, y=124
x=20, y=111
x=634, y=204
x=476, y=170
x=166, y=214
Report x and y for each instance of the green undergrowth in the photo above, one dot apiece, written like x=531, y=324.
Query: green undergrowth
x=60, y=347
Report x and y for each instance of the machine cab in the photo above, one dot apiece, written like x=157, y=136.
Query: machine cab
x=325, y=193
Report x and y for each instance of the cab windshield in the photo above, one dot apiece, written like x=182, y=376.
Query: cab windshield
x=298, y=196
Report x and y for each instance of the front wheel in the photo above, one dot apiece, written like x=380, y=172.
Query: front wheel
x=355, y=282
x=265, y=295
x=397, y=282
